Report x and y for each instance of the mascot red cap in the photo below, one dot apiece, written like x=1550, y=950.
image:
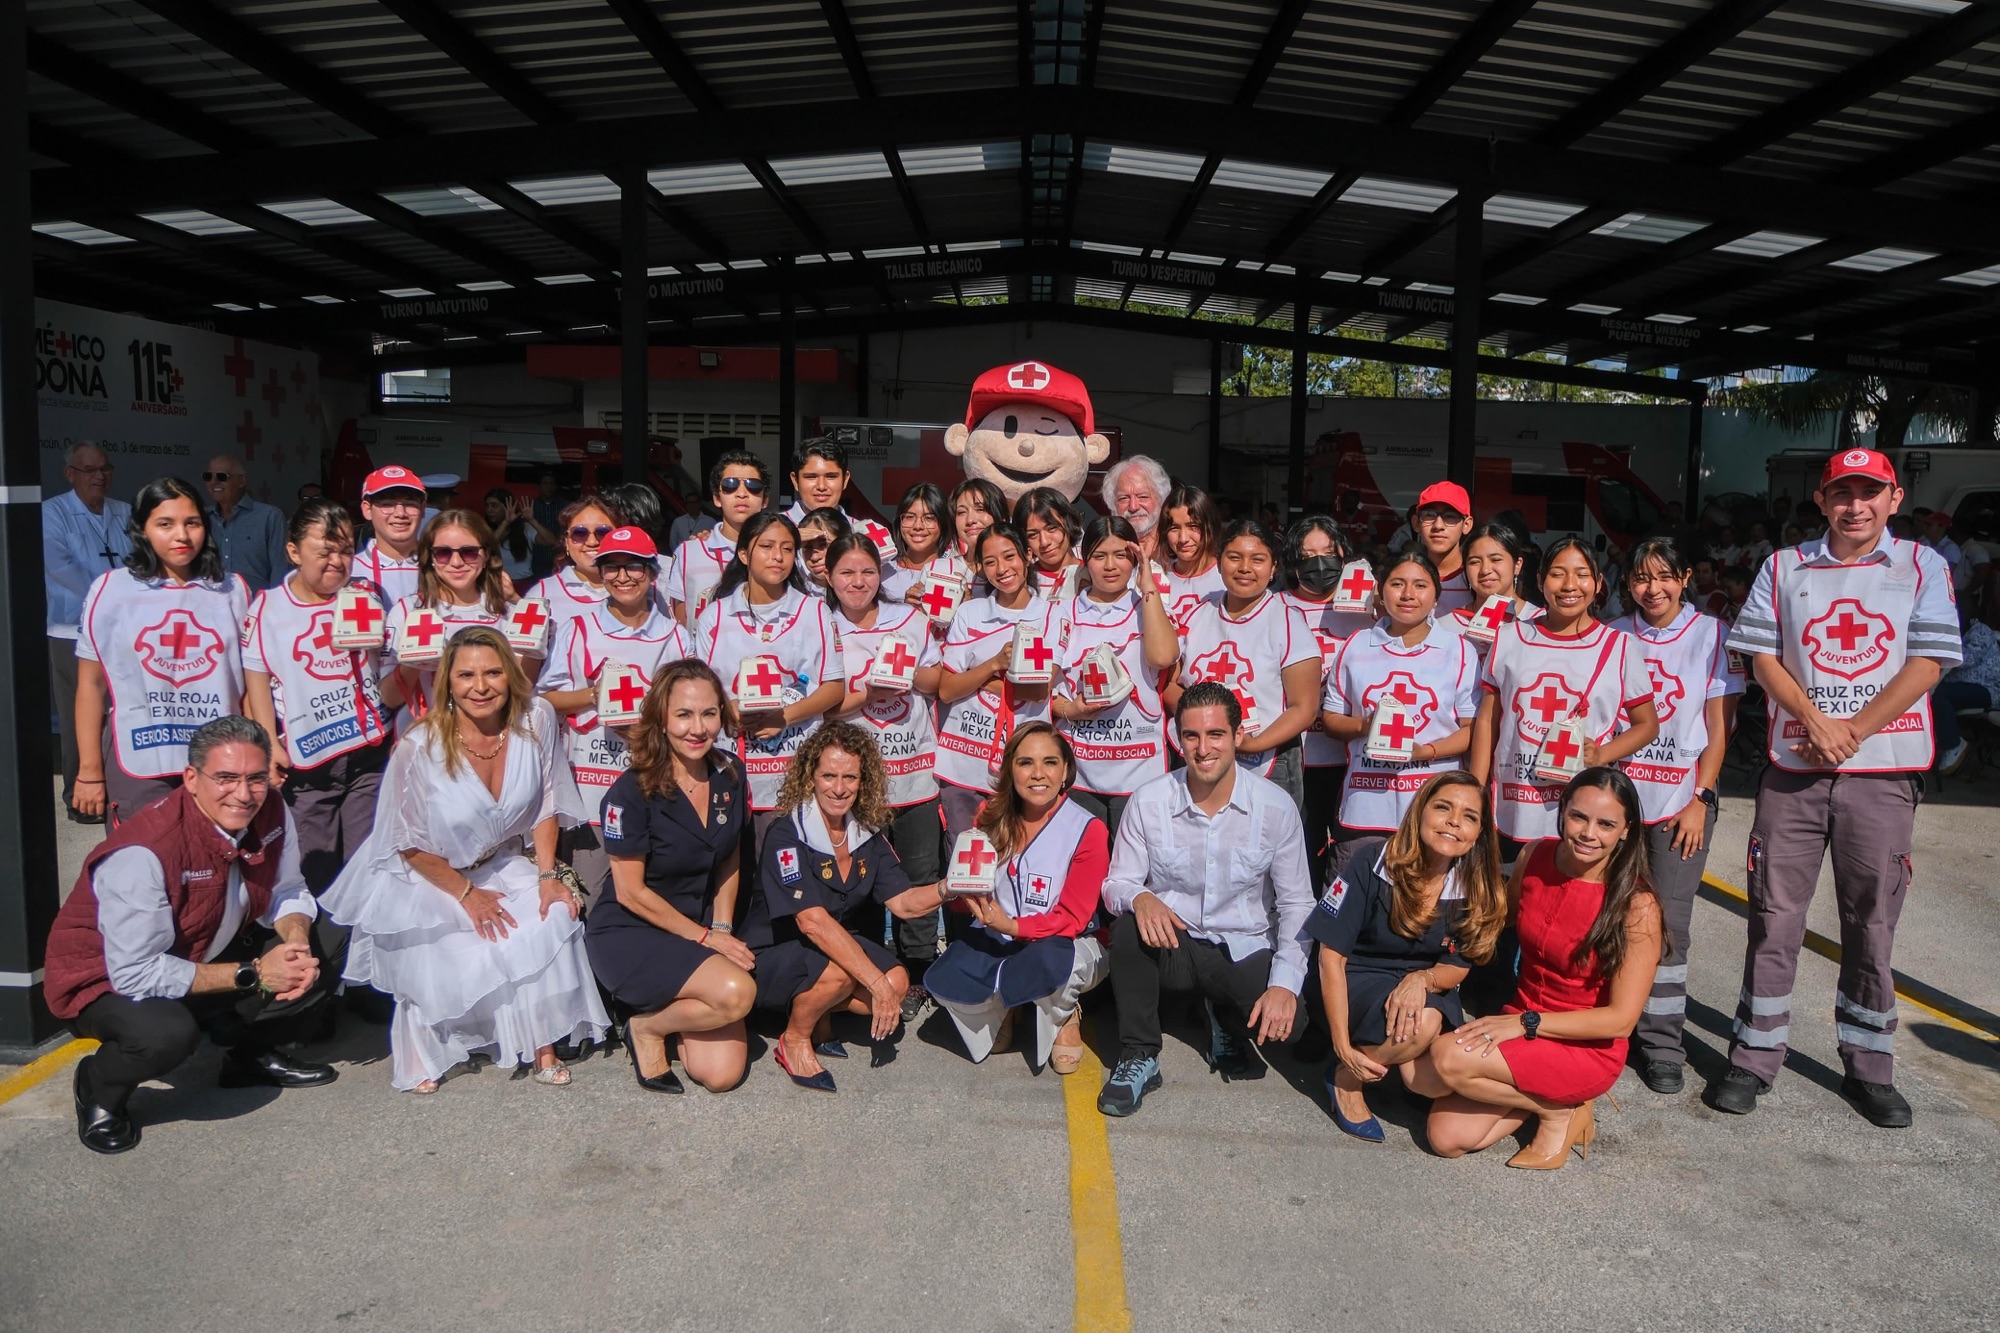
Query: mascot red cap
x=1028, y=425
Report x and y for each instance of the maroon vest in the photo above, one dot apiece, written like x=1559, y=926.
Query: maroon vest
x=196, y=859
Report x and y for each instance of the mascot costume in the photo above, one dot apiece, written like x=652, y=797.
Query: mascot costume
x=1028, y=425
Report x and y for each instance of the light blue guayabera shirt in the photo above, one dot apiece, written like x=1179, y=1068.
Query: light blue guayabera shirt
x=77, y=546
x=252, y=542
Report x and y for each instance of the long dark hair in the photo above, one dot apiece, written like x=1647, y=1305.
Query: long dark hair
x=1010, y=534
x=1201, y=508
x=1664, y=549
x=932, y=499
x=1250, y=527
x=652, y=754
x=1295, y=545
x=991, y=498
x=1509, y=540
x=845, y=546
x=1629, y=874
x=1051, y=506
x=1000, y=819
x=1478, y=873
x=738, y=571
x=1571, y=543
x=142, y=560
x=635, y=504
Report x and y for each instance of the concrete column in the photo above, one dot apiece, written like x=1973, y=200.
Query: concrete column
x=632, y=309
x=1461, y=436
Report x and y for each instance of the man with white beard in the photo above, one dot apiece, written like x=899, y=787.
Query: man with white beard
x=1135, y=489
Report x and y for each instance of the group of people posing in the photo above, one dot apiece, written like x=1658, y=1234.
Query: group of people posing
x=652, y=793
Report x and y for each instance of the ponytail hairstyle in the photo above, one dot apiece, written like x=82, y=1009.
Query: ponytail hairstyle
x=318, y=512
x=143, y=561
x=1627, y=877
x=1405, y=858
x=738, y=572
x=1412, y=554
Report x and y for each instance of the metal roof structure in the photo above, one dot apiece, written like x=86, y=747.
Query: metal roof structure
x=1712, y=184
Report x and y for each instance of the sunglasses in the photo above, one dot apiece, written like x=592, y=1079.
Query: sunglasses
x=458, y=555
x=219, y=476
x=583, y=534
x=730, y=485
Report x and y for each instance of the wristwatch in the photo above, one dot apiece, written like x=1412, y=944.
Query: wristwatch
x=1707, y=796
x=1531, y=1024
x=246, y=976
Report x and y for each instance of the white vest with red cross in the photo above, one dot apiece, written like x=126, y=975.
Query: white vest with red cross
x=597, y=753
x=1538, y=679
x=396, y=578
x=172, y=660
x=1184, y=593
x=973, y=732
x=1331, y=628
x=457, y=618
x=1845, y=631
x=327, y=699
x=1029, y=882
x=1689, y=664
x=1247, y=655
x=1437, y=682
x=568, y=598
x=1125, y=745
x=798, y=631
x=903, y=724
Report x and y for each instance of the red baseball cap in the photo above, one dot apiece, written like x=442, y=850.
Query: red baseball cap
x=394, y=477
x=1445, y=493
x=628, y=541
x=1031, y=382
x=1858, y=463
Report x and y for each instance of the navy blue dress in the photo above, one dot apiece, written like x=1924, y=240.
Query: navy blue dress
x=1352, y=919
x=793, y=877
x=642, y=965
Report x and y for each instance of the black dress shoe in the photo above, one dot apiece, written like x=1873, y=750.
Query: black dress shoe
x=1879, y=1103
x=1737, y=1091
x=268, y=1069
x=1662, y=1076
x=77, y=816
x=98, y=1129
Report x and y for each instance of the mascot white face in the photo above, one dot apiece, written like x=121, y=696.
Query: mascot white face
x=1019, y=446
x=1022, y=431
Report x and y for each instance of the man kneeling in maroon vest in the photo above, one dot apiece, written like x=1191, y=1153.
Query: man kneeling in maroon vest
x=192, y=916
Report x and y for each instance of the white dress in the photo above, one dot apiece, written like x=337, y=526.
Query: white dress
x=458, y=995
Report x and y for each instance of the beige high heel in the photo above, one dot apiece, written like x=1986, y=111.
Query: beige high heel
x=1582, y=1129
x=1067, y=1057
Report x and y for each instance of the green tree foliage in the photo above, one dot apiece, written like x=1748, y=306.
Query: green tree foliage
x=1810, y=401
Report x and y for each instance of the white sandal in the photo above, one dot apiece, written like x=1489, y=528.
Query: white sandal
x=556, y=1075
x=425, y=1088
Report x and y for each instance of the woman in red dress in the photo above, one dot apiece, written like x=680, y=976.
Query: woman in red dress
x=1591, y=938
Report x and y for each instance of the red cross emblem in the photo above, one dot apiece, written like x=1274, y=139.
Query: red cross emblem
x=1223, y=666
x=763, y=680
x=1494, y=614
x=628, y=692
x=1357, y=585
x=1540, y=702
x=939, y=599
x=1038, y=653
x=1420, y=699
x=1329, y=644
x=240, y=368
x=1095, y=683
x=899, y=659
x=1029, y=375
x=63, y=343
x=529, y=618
x=314, y=651
x=179, y=649
x=274, y=392
x=876, y=533
x=1398, y=730
x=361, y=615
x=1848, y=640
x=1560, y=749
x=423, y=626
x=177, y=380
x=975, y=857
x=1667, y=689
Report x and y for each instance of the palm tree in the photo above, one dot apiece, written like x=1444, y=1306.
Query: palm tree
x=1855, y=402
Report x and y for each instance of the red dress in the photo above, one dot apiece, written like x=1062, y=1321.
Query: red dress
x=1552, y=918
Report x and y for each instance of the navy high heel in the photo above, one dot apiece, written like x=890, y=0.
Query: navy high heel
x=820, y=1082
x=1368, y=1131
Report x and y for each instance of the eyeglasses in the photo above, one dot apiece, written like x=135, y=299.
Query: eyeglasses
x=396, y=504
x=453, y=555
x=730, y=485
x=226, y=781
x=214, y=476
x=626, y=569
x=583, y=534
x=83, y=471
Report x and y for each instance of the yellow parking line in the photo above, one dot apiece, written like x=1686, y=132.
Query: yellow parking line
x=1093, y=1207
x=1946, y=1009
x=43, y=1067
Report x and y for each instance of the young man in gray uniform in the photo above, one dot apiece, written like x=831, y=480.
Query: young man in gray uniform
x=1847, y=634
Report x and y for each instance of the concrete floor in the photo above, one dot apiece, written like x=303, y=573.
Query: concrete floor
x=932, y=1192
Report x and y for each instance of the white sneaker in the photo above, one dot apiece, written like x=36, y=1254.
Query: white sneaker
x=1954, y=758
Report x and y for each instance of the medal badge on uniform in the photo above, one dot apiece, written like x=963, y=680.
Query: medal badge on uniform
x=1032, y=658
x=1356, y=589
x=895, y=664
x=760, y=685
x=527, y=626
x=972, y=868
x=939, y=593
x=421, y=640
x=621, y=694
x=1392, y=732
x=1487, y=620
x=1560, y=757
x=358, y=622
x=1101, y=679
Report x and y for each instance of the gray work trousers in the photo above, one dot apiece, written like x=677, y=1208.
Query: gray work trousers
x=333, y=807
x=62, y=682
x=1675, y=882
x=1868, y=820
